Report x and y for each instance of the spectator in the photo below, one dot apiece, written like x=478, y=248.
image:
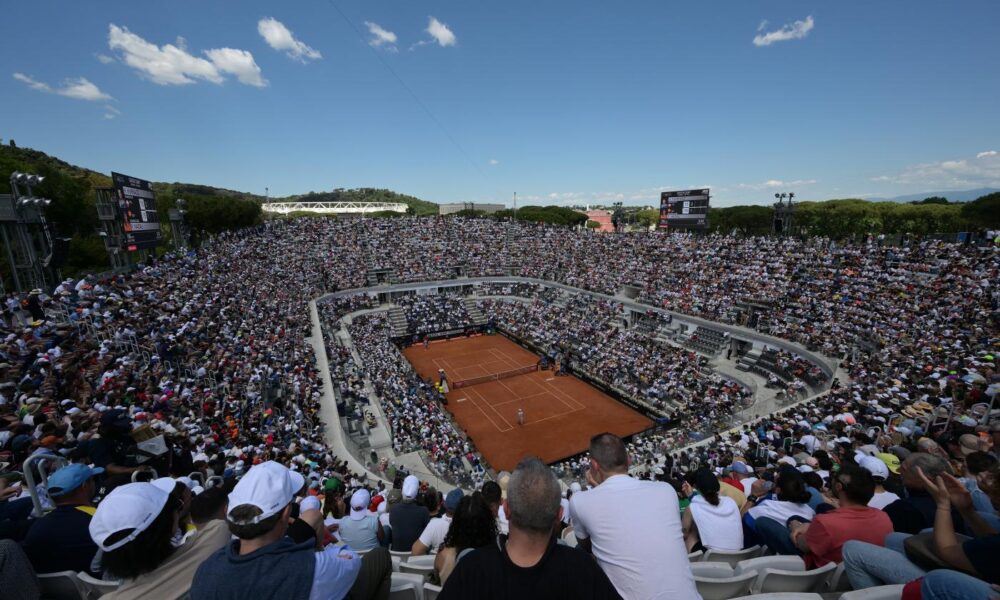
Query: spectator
x=528, y=563
x=60, y=541
x=361, y=530
x=868, y=565
x=473, y=526
x=915, y=512
x=821, y=541
x=632, y=527
x=136, y=526
x=408, y=518
x=264, y=563
x=879, y=472
x=437, y=529
x=769, y=518
x=712, y=521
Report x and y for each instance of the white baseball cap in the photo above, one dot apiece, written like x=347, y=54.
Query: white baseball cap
x=875, y=466
x=359, y=504
x=131, y=506
x=269, y=486
x=411, y=485
x=310, y=503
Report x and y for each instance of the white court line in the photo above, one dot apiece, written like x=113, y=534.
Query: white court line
x=553, y=416
x=505, y=358
x=556, y=390
x=495, y=411
x=489, y=418
x=542, y=393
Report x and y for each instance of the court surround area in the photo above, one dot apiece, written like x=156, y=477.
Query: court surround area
x=561, y=414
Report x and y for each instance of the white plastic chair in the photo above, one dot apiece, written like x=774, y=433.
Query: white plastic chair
x=712, y=570
x=695, y=556
x=783, y=562
x=724, y=588
x=97, y=587
x=431, y=591
x=882, y=592
x=782, y=596
x=416, y=569
x=733, y=557
x=402, y=555
x=782, y=580
x=63, y=585
x=424, y=559
x=839, y=581
x=408, y=585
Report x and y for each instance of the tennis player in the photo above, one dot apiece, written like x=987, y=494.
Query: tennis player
x=520, y=416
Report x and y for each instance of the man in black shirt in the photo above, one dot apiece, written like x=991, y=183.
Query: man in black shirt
x=408, y=519
x=529, y=563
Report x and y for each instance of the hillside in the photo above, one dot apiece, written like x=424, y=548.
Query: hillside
x=35, y=161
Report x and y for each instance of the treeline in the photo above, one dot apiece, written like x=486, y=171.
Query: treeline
x=550, y=215
x=847, y=218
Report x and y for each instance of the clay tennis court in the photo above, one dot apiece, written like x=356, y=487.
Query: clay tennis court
x=561, y=414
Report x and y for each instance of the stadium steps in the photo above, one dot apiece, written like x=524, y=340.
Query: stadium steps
x=397, y=322
x=476, y=316
x=372, y=279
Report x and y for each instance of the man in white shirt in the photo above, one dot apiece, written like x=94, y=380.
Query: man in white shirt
x=433, y=535
x=880, y=472
x=632, y=527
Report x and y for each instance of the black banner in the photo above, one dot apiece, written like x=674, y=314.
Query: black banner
x=137, y=204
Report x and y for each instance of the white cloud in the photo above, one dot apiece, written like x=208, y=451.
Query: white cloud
x=239, y=63
x=772, y=184
x=981, y=171
x=78, y=88
x=440, y=32
x=105, y=59
x=494, y=162
x=762, y=25
x=110, y=112
x=381, y=37
x=281, y=39
x=173, y=65
x=166, y=65
x=793, y=31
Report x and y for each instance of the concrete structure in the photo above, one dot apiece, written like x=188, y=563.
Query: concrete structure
x=447, y=209
x=284, y=208
x=601, y=216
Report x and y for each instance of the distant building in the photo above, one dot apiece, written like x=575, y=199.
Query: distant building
x=447, y=209
x=601, y=216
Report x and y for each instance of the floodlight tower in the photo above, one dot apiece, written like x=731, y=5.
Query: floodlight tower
x=25, y=232
x=783, y=214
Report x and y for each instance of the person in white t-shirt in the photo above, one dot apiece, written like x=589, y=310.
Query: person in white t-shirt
x=434, y=533
x=880, y=472
x=743, y=473
x=632, y=527
x=711, y=520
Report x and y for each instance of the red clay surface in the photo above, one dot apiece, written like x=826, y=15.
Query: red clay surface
x=561, y=414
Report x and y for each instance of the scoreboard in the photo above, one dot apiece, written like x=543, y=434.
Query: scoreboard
x=684, y=210
x=137, y=205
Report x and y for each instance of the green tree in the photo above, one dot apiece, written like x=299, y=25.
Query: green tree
x=593, y=225
x=931, y=200
x=983, y=212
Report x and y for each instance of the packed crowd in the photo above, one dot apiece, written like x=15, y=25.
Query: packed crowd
x=203, y=357
x=588, y=333
x=434, y=313
x=413, y=406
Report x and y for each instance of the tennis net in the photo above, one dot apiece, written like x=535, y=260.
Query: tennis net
x=494, y=377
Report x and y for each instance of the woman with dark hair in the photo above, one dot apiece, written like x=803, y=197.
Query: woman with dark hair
x=135, y=527
x=473, y=526
x=769, y=518
x=711, y=521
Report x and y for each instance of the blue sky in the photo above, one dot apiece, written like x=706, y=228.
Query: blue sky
x=561, y=102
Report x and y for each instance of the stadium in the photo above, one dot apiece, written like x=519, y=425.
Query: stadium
x=693, y=393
